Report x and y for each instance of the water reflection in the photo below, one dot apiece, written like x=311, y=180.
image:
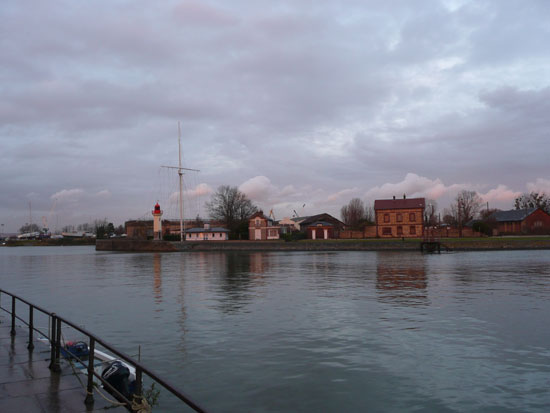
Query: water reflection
x=241, y=279
x=399, y=281
x=157, y=277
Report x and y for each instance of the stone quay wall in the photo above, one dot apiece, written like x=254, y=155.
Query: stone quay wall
x=463, y=244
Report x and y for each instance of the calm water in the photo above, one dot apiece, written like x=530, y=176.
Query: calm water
x=313, y=332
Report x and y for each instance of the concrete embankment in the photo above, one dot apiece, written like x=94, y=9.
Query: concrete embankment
x=463, y=244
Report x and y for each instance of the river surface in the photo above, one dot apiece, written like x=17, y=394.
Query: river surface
x=313, y=331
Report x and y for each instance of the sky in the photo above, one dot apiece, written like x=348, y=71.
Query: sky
x=303, y=105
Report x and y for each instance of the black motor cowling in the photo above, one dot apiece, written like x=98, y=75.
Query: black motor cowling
x=118, y=376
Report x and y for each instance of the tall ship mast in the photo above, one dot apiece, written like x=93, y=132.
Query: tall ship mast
x=180, y=173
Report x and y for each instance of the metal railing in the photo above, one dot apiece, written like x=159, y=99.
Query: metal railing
x=54, y=337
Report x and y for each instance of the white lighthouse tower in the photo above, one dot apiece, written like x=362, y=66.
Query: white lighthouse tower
x=157, y=223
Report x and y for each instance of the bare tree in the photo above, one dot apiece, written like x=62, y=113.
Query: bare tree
x=232, y=207
x=369, y=215
x=449, y=217
x=533, y=200
x=353, y=214
x=466, y=206
x=29, y=228
x=431, y=213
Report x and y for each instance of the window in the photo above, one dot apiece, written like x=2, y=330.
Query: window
x=399, y=230
x=386, y=231
x=412, y=230
x=399, y=217
x=386, y=217
x=537, y=224
x=412, y=217
x=258, y=222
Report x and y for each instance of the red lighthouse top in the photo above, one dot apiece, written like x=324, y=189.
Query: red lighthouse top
x=157, y=210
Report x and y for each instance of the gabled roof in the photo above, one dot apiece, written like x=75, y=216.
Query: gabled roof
x=320, y=217
x=260, y=214
x=407, y=203
x=513, y=214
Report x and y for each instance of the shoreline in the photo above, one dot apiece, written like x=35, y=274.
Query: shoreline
x=451, y=244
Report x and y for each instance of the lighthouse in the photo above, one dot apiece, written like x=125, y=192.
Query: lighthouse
x=157, y=223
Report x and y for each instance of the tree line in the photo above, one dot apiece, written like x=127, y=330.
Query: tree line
x=467, y=206
x=101, y=228
x=232, y=207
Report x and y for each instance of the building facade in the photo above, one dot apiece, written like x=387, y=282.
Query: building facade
x=262, y=228
x=321, y=226
x=399, y=218
x=207, y=234
x=521, y=222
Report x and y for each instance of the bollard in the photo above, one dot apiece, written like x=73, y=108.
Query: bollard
x=31, y=328
x=90, y=387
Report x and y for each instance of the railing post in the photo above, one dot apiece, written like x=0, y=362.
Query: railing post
x=137, y=398
x=12, y=332
x=57, y=366
x=90, y=387
x=31, y=328
x=53, y=335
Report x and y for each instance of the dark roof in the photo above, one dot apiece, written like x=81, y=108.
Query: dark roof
x=513, y=215
x=321, y=217
x=296, y=219
x=216, y=229
x=408, y=203
x=323, y=223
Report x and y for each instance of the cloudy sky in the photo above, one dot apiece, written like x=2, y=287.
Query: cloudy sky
x=296, y=102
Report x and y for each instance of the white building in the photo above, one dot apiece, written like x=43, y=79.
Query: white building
x=207, y=234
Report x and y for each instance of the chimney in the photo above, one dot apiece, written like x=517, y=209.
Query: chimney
x=394, y=197
x=404, y=196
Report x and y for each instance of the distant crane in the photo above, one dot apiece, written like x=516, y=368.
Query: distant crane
x=45, y=227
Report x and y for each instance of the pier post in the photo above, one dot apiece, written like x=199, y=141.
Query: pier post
x=138, y=398
x=12, y=332
x=57, y=366
x=30, y=346
x=52, y=341
x=89, y=400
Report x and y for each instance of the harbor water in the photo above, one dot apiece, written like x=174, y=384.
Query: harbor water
x=312, y=331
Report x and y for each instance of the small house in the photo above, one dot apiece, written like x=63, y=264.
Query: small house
x=521, y=221
x=262, y=228
x=207, y=234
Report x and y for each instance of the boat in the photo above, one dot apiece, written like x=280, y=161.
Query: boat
x=118, y=373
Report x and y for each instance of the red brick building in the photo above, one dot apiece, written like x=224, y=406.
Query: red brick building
x=397, y=218
x=522, y=221
x=262, y=228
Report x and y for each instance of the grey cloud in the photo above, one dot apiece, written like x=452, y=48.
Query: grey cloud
x=322, y=97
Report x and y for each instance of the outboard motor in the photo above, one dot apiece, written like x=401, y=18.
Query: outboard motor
x=78, y=349
x=118, y=376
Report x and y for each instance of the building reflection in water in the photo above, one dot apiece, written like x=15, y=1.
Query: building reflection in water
x=242, y=280
x=401, y=279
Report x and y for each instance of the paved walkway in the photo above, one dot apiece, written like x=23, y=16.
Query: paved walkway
x=27, y=385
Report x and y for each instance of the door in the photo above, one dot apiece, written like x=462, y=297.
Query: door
x=258, y=234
